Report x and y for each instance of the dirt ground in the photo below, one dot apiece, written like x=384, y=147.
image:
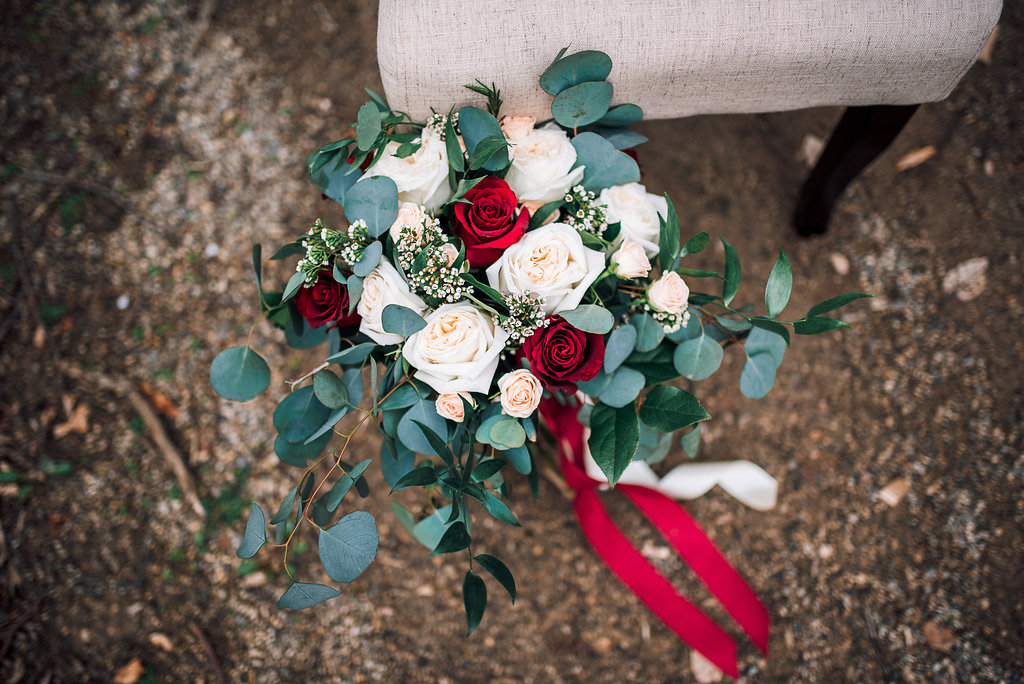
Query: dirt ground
x=147, y=144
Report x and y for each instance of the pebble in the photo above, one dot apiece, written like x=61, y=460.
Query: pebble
x=122, y=302
x=840, y=264
x=967, y=279
x=894, y=492
x=703, y=670
x=212, y=250
x=938, y=637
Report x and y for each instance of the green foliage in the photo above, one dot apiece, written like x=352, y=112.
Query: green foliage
x=758, y=375
x=732, y=273
x=374, y=200
x=667, y=409
x=698, y=358
x=255, y=534
x=330, y=390
x=302, y=595
x=668, y=237
x=477, y=126
x=620, y=345
x=614, y=438
x=299, y=415
x=779, y=286
x=580, y=67
x=474, y=597
x=239, y=374
x=604, y=166
x=623, y=387
x=590, y=318
x=349, y=546
x=400, y=320
x=622, y=115
x=582, y=104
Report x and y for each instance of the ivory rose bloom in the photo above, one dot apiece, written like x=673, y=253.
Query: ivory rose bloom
x=383, y=286
x=669, y=294
x=630, y=261
x=520, y=393
x=409, y=214
x=450, y=406
x=542, y=166
x=457, y=351
x=422, y=177
x=551, y=262
x=636, y=210
x=516, y=128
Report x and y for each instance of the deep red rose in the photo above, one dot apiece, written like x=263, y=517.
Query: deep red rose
x=561, y=355
x=326, y=302
x=491, y=223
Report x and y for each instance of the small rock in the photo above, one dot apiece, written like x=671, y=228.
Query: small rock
x=161, y=641
x=894, y=492
x=989, y=167
x=967, y=280
x=938, y=637
x=424, y=590
x=839, y=262
x=655, y=551
x=826, y=551
x=703, y=670
x=212, y=250
x=810, y=149
x=122, y=302
x=255, y=580
x=229, y=116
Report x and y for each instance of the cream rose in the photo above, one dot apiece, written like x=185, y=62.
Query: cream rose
x=636, y=210
x=383, y=286
x=516, y=128
x=520, y=393
x=409, y=215
x=422, y=177
x=669, y=294
x=630, y=260
x=542, y=166
x=450, y=406
x=457, y=351
x=451, y=253
x=551, y=262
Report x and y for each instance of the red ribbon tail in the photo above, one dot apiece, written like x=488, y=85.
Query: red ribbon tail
x=708, y=563
x=681, y=616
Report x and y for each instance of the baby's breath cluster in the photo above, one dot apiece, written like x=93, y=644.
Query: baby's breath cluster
x=324, y=243
x=671, y=322
x=437, y=123
x=582, y=213
x=428, y=261
x=525, y=315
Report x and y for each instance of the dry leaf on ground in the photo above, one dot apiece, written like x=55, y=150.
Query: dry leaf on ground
x=938, y=637
x=894, y=492
x=915, y=157
x=78, y=422
x=130, y=673
x=160, y=401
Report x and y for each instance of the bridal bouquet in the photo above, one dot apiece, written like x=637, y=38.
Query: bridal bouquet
x=489, y=263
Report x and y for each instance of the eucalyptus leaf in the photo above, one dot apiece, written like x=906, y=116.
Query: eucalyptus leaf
x=589, y=318
x=582, y=104
x=330, y=390
x=476, y=126
x=297, y=453
x=622, y=115
x=691, y=441
x=698, y=358
x=455, y=538
x=374, y=200
x=587, y=65
x=604, y=166
x=352, y=356
x=401, y=320
x=395, y=461
x=519, y=458
x=649, y=333
x=367, y=126
x=239, y=373
x=668, y=237
x=619, y=346
x=369, y=260
x=255, y=534
x=349, y=546
x=623, y=388
x=410, y=434
x=760, y=340
x=299, y=415
x=305, y=595
x=758, y=375
x=779, y=286
x=508, y=433
x=292, y=288
x=732, y=273
x=325, y=429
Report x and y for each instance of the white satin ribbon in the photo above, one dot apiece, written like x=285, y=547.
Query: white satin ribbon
x=746, y=482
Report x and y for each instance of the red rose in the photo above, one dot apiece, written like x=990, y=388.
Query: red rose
x=490, y=224
x=561, y=355
x=326, y=302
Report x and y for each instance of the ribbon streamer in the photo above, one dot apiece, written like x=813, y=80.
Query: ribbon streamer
x=689, y=623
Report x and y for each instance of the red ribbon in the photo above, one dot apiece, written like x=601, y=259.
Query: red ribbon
x=636, y=572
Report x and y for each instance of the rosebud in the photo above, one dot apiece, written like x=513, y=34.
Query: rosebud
x=630, y=260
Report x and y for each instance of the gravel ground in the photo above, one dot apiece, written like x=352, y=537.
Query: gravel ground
x=147, y=145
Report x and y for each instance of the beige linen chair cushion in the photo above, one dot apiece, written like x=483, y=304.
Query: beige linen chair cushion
x=677, y=58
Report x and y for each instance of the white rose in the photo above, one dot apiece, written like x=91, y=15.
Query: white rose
x=636, y=210
x=409, y=215
x=630, y=261
x=457, y=351
x=451, y=253
x=516, y=128
x=542, y=166
x=521, y=391
x=669, y=293
x=450, y=406
x=383, y=286
x=422, y=177
x=551, y=262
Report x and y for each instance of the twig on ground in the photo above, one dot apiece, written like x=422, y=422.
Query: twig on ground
x=162, y=443
x=210, y=654
x=16, y=624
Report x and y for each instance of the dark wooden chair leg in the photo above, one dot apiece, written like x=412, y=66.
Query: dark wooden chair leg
x=862, y=134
